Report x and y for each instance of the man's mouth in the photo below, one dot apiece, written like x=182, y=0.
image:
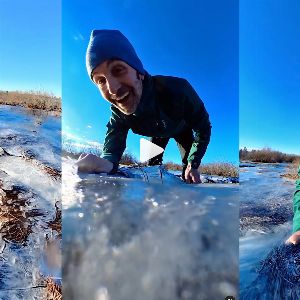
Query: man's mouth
x=123, y=98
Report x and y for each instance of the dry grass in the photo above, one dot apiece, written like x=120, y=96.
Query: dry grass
x=292, y=170
x=32, y=99
x=219, y=169
x=53, y=290
x=267, y=155
x=128, y=159
x=172, y=166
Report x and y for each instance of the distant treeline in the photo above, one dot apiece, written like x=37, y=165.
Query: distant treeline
x=267, y=155
x=32, y=99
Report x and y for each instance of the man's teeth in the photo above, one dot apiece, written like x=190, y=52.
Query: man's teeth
x=122, y=97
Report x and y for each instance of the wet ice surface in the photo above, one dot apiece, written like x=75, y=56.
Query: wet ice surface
x=29, y=152
x=278, y=275
x=125, y=238
x=24, y=134
x=266, y=212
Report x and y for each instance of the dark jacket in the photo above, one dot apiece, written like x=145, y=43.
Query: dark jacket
x=296, y=221
x=168, y=106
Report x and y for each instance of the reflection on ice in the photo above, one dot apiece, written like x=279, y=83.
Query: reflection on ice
x=125, y=238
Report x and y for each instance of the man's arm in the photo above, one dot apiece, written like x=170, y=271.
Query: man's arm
x=197, y=116
x=90, y=163
x=114, y=146
x=295, y=237
x=115, y=141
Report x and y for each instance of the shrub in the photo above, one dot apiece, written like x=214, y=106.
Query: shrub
x=266, y=155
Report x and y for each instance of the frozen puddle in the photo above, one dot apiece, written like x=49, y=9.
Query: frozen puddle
x=125, y=238
x=30, y=217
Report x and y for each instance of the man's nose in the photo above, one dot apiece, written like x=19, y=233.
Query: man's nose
x=113, y=86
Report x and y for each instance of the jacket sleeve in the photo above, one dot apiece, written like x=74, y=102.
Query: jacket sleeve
x=115, y=141
x=296, y=220
x=197, y=117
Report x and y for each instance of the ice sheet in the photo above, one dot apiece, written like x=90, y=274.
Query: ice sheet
x=125, y=238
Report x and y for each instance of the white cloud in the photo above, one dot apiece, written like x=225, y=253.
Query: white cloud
x=70, y=136
x=79, y=143
x=78, y=37
x=89, y=126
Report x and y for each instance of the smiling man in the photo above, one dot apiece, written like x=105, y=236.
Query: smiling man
x=160, y=107
x=119, y=84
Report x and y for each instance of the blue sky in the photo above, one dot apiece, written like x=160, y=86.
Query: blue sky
x=196, y=40
x=30, y=52
x=270, y=74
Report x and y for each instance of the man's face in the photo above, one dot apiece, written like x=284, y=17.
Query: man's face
x=119, y=84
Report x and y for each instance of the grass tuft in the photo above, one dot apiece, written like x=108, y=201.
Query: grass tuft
x=292, y=170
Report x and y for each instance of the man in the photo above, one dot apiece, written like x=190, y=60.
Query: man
x=295, y=237
x=160, y=107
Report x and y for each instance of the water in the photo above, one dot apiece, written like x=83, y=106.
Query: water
x=29, y=189
x=125, y=238
x=266, y=214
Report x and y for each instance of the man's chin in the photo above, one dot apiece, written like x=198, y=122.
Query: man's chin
x=127, y=112
x=128, y=109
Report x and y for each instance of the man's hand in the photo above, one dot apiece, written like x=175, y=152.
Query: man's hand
x=192, y=175
x=90, y=163
x=294, y=238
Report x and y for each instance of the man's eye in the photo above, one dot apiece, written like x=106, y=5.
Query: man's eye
x=100, y=81
x=117, y=70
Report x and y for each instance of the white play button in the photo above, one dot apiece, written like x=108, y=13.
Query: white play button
x=148, y=150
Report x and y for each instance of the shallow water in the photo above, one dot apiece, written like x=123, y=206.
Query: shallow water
x=266, y=214
x=125, y=238
x=29, y=151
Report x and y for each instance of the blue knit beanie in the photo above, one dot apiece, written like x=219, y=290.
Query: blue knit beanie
x=110, y=44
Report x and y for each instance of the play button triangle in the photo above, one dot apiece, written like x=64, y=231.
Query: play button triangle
x=148, y=150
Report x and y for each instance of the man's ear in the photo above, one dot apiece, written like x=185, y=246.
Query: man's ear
x=140, y=76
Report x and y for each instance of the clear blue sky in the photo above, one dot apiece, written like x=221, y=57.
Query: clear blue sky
x=196, y=40
x=270, y=74
x=30, y=51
